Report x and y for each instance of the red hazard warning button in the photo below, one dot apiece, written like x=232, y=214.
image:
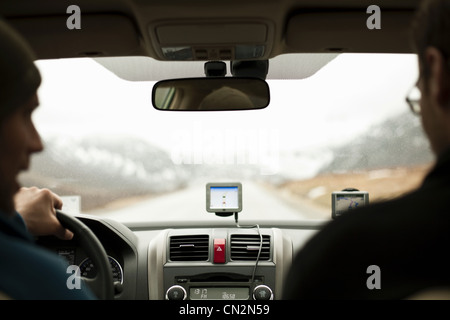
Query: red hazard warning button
x=219, y=250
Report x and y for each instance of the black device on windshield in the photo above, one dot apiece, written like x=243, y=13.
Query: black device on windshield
x=224, y=198
x=347, y=200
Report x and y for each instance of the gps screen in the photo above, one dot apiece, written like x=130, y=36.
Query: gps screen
x=348, y=202
x=224, y=198
x=343, y=202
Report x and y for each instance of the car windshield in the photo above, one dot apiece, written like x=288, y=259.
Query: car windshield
x=108, y=152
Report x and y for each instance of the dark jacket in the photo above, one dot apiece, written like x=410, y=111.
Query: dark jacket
x=28, y=271
x=408, y=239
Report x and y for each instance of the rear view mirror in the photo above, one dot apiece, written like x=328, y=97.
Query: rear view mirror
x=211, y=93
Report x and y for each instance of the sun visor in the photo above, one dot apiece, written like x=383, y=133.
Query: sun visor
x=50, y=38
x=347, y=31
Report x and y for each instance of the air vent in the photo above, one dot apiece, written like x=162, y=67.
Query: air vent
x=246, y=247
x=189, y=248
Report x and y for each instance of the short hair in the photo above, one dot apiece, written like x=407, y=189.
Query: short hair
x=431, y=28
x=19, y=76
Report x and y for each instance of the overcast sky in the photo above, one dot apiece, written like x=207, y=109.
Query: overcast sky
x=342, y=100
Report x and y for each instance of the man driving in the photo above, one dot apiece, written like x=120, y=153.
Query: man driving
x=28, y=271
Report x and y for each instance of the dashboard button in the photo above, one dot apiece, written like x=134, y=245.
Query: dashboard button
x=262, y=292
x=219, y=250
x=176, y=293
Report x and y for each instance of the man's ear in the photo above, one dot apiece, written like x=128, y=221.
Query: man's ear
x=438, y=81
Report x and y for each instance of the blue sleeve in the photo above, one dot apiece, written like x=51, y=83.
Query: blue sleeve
x=35, y=273
x=30, y=271
x=15, y=225
x=19, y=221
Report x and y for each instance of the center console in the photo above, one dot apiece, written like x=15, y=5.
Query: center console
x=218, y=264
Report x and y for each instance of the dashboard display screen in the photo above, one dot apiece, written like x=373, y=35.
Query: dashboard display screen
x=214, y=293
x=223, y=197
x=343, y=202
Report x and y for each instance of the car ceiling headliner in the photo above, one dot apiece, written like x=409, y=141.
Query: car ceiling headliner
x=132, y=27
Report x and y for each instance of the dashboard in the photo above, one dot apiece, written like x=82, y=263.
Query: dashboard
x=201, y=262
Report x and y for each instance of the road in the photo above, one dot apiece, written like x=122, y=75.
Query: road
x=259, y=203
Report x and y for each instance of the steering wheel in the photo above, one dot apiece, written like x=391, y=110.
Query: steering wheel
x=102, y=284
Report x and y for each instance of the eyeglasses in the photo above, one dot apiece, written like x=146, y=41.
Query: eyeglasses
x=413, y=100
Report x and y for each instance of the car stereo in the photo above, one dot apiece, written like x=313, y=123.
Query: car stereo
x=192, y=288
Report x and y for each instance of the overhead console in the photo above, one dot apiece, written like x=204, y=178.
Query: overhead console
x=212, y=40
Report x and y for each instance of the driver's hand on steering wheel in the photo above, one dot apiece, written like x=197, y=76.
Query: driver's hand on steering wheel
x=38, y=209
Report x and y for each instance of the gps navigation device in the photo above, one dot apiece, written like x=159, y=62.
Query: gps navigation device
x=345, y=201
x=224, y=198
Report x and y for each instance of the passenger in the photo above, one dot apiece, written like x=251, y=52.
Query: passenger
x=28, y=271
x=394, y=249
